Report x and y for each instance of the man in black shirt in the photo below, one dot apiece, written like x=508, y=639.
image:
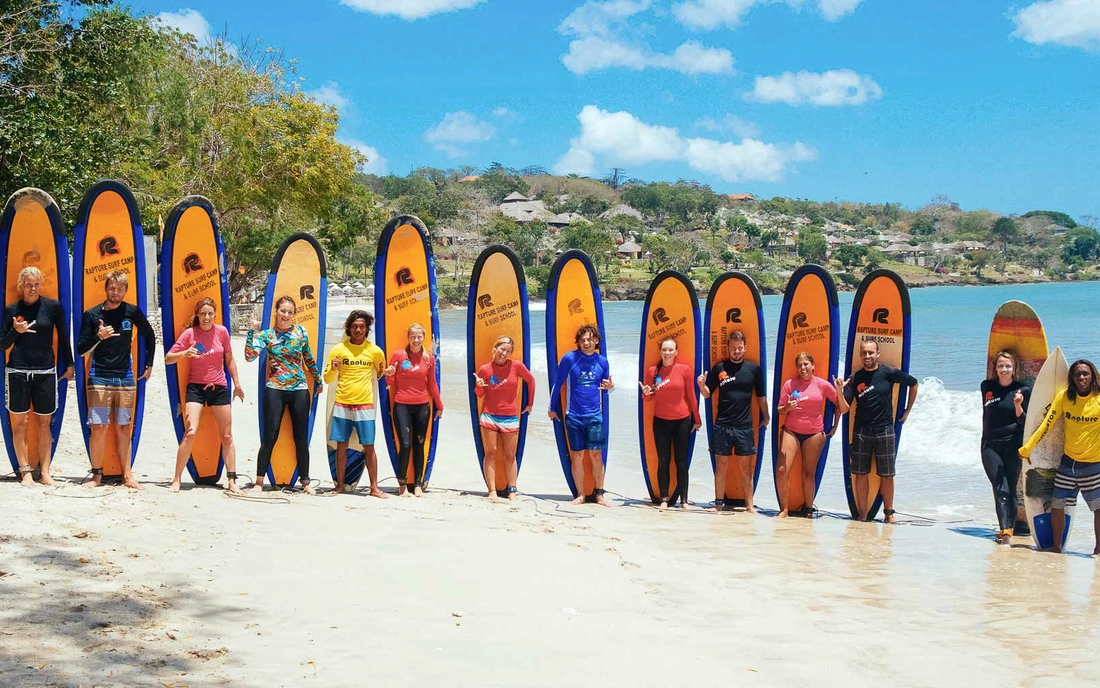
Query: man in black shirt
x=107, y=331
x=736, y=382
x=31, y=372
x=873, y=390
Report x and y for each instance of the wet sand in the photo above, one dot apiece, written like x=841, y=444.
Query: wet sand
x=113, y=587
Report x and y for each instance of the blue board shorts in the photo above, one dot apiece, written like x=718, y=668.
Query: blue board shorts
x=107, y=395
x=347, y=417
x=1073, y=477
x=586, y=432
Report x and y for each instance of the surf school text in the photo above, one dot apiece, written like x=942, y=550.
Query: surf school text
x=100, y=271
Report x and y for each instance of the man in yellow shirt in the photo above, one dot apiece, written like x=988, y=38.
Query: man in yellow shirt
x=357, y=363
x=1079, y=406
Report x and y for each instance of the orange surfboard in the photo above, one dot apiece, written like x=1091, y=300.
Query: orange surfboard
x=298, y=271
x=32, y=233
x=809, y=322
x=192, y=268
x=108, y=237
x=671, y=309
x=572, y=300
x=497, y=306
x=405, y=293
x=734, y=304
x=880, y=311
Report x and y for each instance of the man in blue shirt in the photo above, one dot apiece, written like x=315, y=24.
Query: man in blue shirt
x=588, y=375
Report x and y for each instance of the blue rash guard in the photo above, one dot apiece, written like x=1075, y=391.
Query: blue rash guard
x=584, y=372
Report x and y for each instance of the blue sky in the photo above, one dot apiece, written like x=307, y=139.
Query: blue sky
x=994, y=104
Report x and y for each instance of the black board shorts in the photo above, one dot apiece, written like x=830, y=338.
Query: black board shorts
x=726, y=441
x=207, y=395
x=31, y=388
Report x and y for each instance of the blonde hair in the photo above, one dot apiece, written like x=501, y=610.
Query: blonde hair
x=504, y=338
x=116, y=276
x=26, y=272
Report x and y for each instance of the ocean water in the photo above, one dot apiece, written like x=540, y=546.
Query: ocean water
x=939, y=470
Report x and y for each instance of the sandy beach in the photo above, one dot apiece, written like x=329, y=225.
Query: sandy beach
x=114, y=587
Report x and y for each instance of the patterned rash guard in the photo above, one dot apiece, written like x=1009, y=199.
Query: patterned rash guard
x=288, y=353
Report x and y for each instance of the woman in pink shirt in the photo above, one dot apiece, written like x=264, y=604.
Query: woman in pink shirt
x=411, y=380
x=497, y=384
x=802, y=417
x=208, y=348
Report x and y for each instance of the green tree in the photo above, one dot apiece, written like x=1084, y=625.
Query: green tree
x=768, y=239
x=523, y=238
x=980, y=259
x=677, y=252
x=850, y=255
x=923, y=225
x=812, y=246
x=1080, y=244
x=1004, y=231
x=1055, y=216
x=593, y=239
x=499, y=184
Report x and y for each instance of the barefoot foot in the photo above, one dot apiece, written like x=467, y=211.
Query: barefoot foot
x=308, y=489
x=578, y=500
x=174, y=487
x=375, y=492
x=132, y=484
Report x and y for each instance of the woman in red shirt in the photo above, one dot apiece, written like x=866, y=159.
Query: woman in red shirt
x=671, y=386
x=497, y=384
x=411, y=380
x=207, y=346
x=802, y=417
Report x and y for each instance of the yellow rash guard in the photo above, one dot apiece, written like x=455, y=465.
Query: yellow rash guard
x=1082, y=421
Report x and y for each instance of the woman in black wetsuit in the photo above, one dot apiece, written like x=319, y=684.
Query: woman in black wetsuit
x=1004, y=403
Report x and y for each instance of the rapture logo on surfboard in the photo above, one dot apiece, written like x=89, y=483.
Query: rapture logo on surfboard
x=798, y=321
x=575, y=307
x=32, y=257
x=191, y=263
x=485, y=301
x=881, y=315
x=306, y=292
x=403, y=277
x=108, y=246
x=659, y=316
x=733, y=315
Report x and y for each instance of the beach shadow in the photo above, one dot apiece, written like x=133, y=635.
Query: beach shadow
x=86, y=628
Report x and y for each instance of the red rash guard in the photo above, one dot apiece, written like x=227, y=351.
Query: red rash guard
x=414, y=379
x=500, y=396
x=675, y=394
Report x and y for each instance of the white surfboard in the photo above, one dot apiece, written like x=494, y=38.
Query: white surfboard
x=1040, y=469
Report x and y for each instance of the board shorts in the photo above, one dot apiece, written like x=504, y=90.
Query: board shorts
x=207, y=395
x=881, y=443
x=502, y=424
x=727, y=441
x=1073, y=477
x=348, y=417
x=107, y=394
x=26, y=388
x=586, y=432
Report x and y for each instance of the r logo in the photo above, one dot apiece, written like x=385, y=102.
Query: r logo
x=32, y=257
x=798, y=321
x=659, y=316
x=306, y=292
x=733, y=315
x=191, y=263
x=575, y=307
x=108, y=246
x=881, y=315
x=485, y=301
x=403, y=277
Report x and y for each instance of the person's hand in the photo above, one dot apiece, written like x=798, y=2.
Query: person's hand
x=69, y=373
x=840, y=384
x=904, y=416
x=438, y=414
x=334, y=364
x=147, y=374
x=764, y=422
x=701, y=380
x=607, y=385
x=791, y=405
x=646, y=389
x=318, y=387
x=24, y=327
x=255, y=325
x=552, y=414
x=192, y=352
x=527, y=410
x=1018, y=399
x=695, y=427
x=238, y=391
x=390, y=370
x=478, y=381
x=106, y=331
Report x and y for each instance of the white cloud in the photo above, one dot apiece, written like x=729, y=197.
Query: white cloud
x=456, y=130
x=1072, y=23
x=375, y=164
x=600, y=18
x=410, y=9
x=710, y=14
x=620, y=138
x=187, y=21
x=731, y=123
x=594, y=53
x=835, y=87
x=599, y=42
x=330, y=94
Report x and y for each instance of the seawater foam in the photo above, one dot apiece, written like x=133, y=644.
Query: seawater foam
x=945, y=426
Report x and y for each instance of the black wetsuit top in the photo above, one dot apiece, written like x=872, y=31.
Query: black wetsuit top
x=999, y=420
x=735, y=384
x=111, y=357
x=34, y=351
x=874, y=391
